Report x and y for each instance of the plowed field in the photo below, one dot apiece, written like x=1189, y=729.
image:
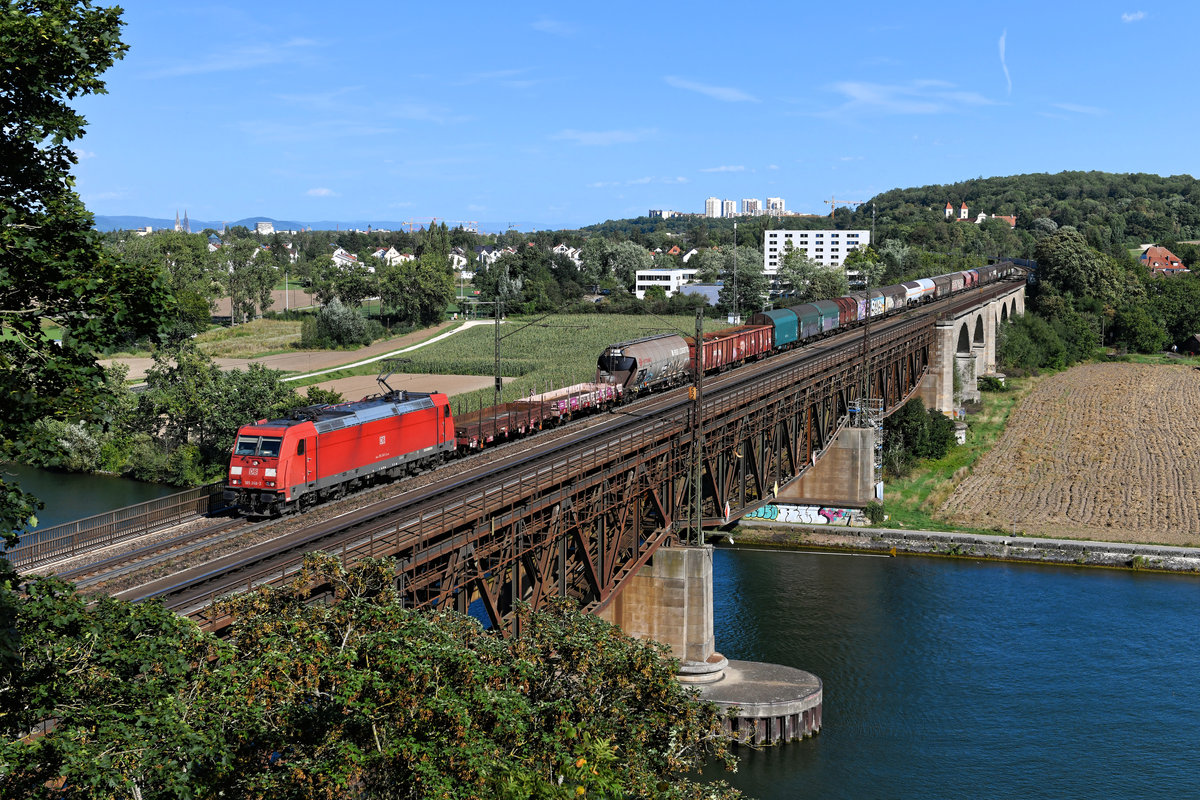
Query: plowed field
x=1102, y=451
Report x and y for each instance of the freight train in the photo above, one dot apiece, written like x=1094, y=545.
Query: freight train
x=663, y=361
x=322, y=452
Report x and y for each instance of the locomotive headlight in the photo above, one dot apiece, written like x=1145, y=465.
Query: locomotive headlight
x=236, y=482
x=270, y=483
x=269, y=472
x=235, y=470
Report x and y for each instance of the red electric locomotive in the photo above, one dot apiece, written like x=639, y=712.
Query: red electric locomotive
x=320, y=452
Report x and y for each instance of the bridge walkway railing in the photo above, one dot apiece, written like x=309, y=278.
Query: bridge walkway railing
x=74, y=538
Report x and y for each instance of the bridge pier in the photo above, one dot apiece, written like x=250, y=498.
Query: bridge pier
x=670, y=600
x=843, y=477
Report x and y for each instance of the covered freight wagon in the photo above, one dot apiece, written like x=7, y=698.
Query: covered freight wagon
x=784, y=323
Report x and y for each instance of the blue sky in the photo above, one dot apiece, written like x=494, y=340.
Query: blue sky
x=563, y=114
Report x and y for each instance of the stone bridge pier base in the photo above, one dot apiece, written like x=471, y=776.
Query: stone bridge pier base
x=670, y=601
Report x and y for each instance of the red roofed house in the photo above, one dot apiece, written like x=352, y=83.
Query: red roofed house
x=1161, y=261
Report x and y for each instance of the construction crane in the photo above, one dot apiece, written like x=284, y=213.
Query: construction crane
x=417, y=221
x=834, y=203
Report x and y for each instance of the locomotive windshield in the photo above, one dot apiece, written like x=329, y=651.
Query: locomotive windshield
x=255, y=446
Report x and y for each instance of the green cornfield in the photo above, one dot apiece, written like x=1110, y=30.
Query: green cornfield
x=540, y=354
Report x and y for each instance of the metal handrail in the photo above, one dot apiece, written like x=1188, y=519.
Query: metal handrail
x=99, y=530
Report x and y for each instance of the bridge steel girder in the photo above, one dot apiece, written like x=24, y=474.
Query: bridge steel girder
x=575, y=519
x=757, y=441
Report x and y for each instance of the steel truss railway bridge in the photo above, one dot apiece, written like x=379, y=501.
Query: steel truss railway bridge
x=577, y=517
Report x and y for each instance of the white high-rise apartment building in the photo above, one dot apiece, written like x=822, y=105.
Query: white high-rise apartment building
x=751, y=206
x=825, y=247
x=728, y=208
x=712, y=207
x=775, y=205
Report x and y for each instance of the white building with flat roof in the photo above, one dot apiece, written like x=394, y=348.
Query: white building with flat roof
x=712, y=207
x=775, y=205
x=829, y=248
x=728, y=208
x=671, y=280
x=751, y=206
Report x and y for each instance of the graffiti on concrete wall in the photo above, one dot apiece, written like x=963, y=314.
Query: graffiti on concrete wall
x=808, y=515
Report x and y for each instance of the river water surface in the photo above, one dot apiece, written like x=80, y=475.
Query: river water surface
x=961, y=679
x=70, y=496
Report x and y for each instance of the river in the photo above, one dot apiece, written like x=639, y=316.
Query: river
x=70, y=496
x=954, y=679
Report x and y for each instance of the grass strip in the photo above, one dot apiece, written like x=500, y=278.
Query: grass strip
x=912, y=501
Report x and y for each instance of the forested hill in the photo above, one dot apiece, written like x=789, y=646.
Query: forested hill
x=1111, y=210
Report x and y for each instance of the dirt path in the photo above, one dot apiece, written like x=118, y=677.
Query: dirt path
x=314, y=362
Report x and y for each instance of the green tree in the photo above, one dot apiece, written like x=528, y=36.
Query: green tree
x=1068, y=265
x=119, y=682
x=251, y=276
x=417, y=291
x=53, y=268
x=718, y=265
x=913, y=433
x=1135, y=327
x=354, y=284
x=191, y=410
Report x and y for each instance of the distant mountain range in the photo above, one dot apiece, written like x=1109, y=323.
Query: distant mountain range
x=122, y=223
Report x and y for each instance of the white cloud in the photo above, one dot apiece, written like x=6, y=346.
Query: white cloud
x=919, y=97
x=554, y=27
x=1133, y=16
x=1078, y=109
x=1003, y=63
x=772, y=166
x=242, y=58
x=724, y=93
x=725, y=168
x=602, y=138
x=81, y=154
x=636, y=182
x=321, y=191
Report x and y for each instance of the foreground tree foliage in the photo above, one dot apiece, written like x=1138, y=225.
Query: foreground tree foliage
x=355, y=698
x=62, y=297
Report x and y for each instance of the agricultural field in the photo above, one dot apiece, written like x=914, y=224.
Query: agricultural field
x=539, y=355
x=1101, y=451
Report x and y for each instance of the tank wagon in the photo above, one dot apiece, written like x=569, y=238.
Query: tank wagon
x=645, y=364
x=320, y=452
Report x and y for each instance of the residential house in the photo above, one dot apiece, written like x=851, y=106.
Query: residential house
x=347, y=260
x=391, y=256
x=573, y=253
x=1161, y=261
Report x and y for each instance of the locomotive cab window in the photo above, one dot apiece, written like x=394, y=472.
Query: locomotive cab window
x=246, y=446
x=300, y=448
x=270, y=446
